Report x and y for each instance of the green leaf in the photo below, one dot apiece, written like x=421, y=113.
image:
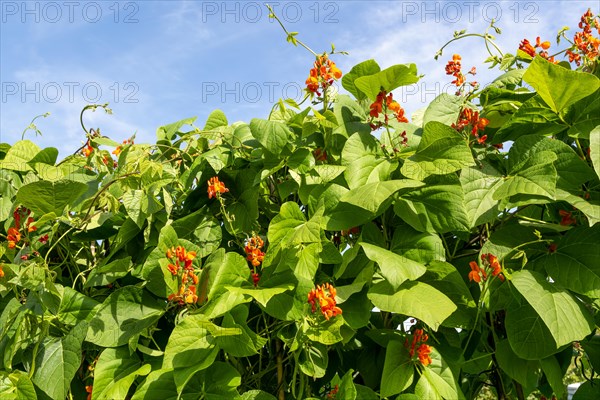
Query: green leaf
x=263, y=294
x=566, y=318
x=327, y=332
x=415, y=299
x=398, y=369
x=168, y=132
x=531, y=176
x=57, y=361
x=436, y=207
x=445, y=109
x=289, y=227
x=216, y=119
x=350, y=115
x=526, y=372
x=313, y=360
x=108, y=273
x=395, y=268
x=372, y=196
x=272, y=135
x=75, y=307
x=594, y=149
x=365, y=68
x=159, y=385
x=19, y=155
x=114, y=373
x=532, y=118
x=575, y=264
x=479, y=185
x=16, y=386
x=46, y=156
x=558, y=86
x=125, y=313
x=438, y=381
x=257, y=395
x=43, y=197
x=421, y=247
x=248, y=342
x=388, y=79
x=588, y=390
x=442, y=150
x=554, y=375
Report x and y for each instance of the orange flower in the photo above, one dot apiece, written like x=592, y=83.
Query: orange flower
x=423, y=353
x=491, y=261
x=117, y=151
x=322, y=75
x=470, y=118
x=526, y=47
x=544, y=45
x=88, y=149
x=253, y=251
x=377, y=107
x=215, y=187
x=13, y=236
x=324, y=296
x=423, y=350
x=89, y=389
x=320, y=154
x=1, y=272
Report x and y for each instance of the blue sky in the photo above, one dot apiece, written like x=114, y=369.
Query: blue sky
x=159, y=61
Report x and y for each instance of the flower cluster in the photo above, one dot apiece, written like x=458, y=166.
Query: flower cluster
x=417, y=346
x=119, y=148
x=255, y=255
x=470, y=118
x=13, y=235
x=333, y=393
x=320, y=154
x=382, y=104
x=216, y=187
x=180, y=264
x=567, y=218
x=87, y=149
x=322, y=75
x=526, y=47
x=1, y=271
x=584, y=43
x=490, y=263
x=324, y=296
x=454, y=68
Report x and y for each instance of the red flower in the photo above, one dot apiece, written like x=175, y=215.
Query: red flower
x=215, y=187
x=324, y=296
x=567, y=218
x=322, y=75
x=255, y=279
x=423, y=353
x=13, y=236
x=418, y=347
x=88, y=149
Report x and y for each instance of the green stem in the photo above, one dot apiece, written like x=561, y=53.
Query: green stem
x=273, y=15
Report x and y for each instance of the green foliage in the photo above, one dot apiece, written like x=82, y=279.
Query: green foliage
x=285, y=258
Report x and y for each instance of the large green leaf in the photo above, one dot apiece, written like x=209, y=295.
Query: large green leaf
x=575, y=264
x=438, y=381
x=418, y=246
x=563, y=315
x=371, y=196
x=527, y=334
x=526, y=372
x=19, y=155
x=398, y=370
x=531, y=176
x=395, y=268
x=365, y=68
x=75, y=306
x=442, y=150
x=125, y=313
x=57, y=361
x=168, y=132
x=436, y=207
x=532, y=118
x=388, y=79
x=445, y=109
x=43, y=197
x=479, y=185
x=350, y=115
x=271, y=134
x=216, y=119
x=415, y=299
x=115, y=371
x=289, y=227
x=248, y=342
x=559, y=86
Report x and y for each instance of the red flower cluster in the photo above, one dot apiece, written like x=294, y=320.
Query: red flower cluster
x=419, y=347
x=322, y=75
x=381, y=106
x=490, y=263
x=87, y=149
x=324, y=296
x=567, y=218
x=333, y=393
x=215, y=187
x=119, y=149
x=584, y=43
x=320, y=154
x=526, y=47
x=470, y=118
x=1, y=271
x=181, y=264
x=13, y=235
x=253, y=251
x=454, y=68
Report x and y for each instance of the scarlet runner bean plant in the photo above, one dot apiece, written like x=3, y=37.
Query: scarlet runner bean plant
x=337, y=250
